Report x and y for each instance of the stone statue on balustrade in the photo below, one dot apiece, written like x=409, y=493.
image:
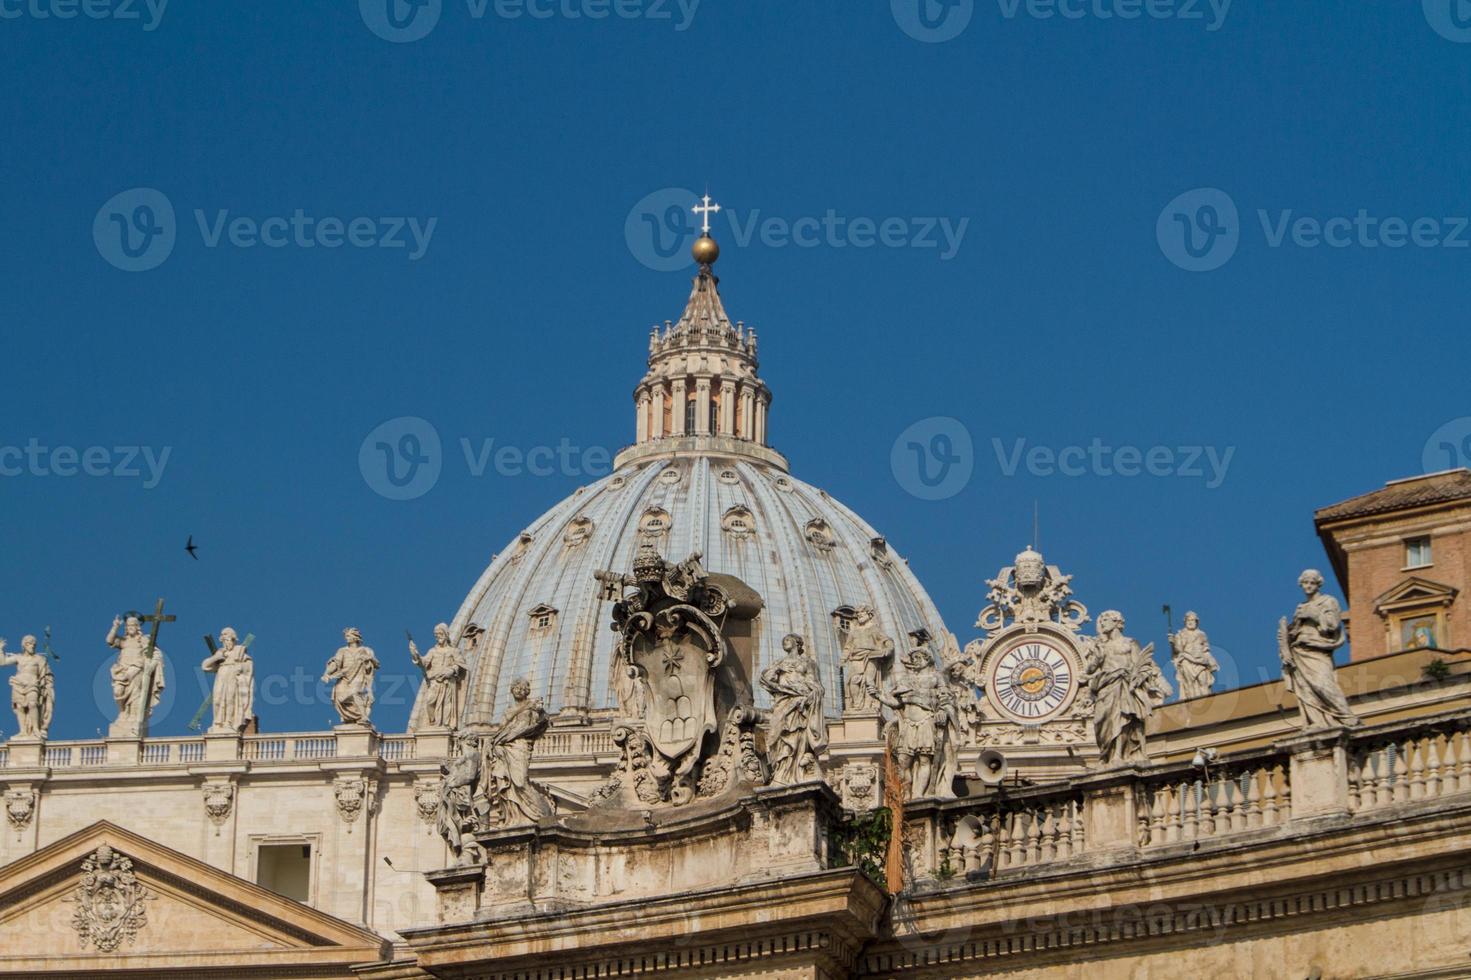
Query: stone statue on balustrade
x=686, y=725
x=1195, y=668
x=463, y=807
x=32, y=689
x=137, y=677
x=514, y=800
x=1306, y=644
x=967, y=689
x=351, y=671
x=867, y=653
x=442, y=697
x=1126, y=686
x=922, y=733
x=796, y=730
x=233, y=698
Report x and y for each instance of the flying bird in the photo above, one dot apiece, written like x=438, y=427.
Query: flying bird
x=191, y=547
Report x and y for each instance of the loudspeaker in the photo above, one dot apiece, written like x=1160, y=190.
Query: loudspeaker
x=992, y=767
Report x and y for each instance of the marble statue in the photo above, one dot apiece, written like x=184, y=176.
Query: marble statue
x=513, y=798
x=1126, y=686
x=967, y=686
x=923, y=730
x=1195, y=668
x=234, y=688
x=1306, y=645
x=444, y=682
x=32, y=689
x=137, y=677
x=352, y=668
x=462, y=808
x=866, y=650
x=797, y=729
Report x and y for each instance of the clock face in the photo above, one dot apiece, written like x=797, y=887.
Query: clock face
x=1032, y=680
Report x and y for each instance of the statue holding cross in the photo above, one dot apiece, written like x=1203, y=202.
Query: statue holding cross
x=137, y=674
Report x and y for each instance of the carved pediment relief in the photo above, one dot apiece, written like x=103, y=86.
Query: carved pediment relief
x=578, y=532
x=738, y=522
x=111, y=900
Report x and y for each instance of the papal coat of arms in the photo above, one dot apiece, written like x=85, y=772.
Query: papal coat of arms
x=671, y=655
x=109, y=900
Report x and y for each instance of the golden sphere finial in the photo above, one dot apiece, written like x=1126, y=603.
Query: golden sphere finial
x=705, y=250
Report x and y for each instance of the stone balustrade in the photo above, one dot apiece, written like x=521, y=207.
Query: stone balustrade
x=1141, y=812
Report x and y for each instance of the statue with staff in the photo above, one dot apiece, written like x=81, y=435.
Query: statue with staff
x=137, y=673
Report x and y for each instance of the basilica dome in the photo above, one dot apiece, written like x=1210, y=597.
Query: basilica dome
x=700, y=477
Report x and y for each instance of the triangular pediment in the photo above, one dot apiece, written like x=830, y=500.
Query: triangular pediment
x=1415, y=591
x=106, y=899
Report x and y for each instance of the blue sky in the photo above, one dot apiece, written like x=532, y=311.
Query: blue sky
x=1062, y=316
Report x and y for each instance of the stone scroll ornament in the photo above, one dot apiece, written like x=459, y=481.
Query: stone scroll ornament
x=696, y=733
x=110, y=902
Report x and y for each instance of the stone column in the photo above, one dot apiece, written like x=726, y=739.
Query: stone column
x=1318, y=774
x=643, y=418
x=727, y=408
x=679, y=408
x=746, y=402
x=760, y=429
x=656, y=421
x=702, y=407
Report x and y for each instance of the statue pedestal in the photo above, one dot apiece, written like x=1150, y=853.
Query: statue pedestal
x=862, y=727
x=1319, y=773
x=26, y=752
x=221, y=746
x=355, y=740
x=1111, y=818
x=433, y=743
x=122, y=750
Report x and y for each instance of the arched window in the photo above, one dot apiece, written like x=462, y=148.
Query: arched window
x=689, y=416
